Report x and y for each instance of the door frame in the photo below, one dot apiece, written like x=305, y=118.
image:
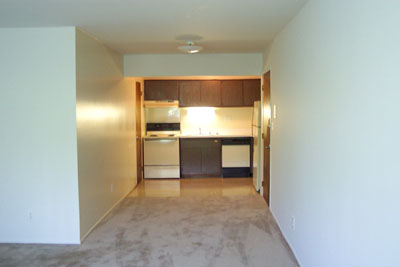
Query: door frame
x=266, y=136
x=139, y=147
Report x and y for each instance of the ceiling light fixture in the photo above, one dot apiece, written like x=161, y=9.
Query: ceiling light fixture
x=190, y=48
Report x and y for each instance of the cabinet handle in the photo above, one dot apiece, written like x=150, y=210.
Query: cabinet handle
x=161, y=140
x=215, y=141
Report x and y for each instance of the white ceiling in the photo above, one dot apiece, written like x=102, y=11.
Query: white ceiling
x=159, y=26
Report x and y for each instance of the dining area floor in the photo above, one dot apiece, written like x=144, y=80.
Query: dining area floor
x=182, y=222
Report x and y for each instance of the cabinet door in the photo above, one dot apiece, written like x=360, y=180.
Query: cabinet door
x=232, y=93
x=191, y=157
x=251, y=91
x=201, y=157
x=189, y=93
x=211, y=166
x=211, y=93
x=161, y=90
x=191, y=162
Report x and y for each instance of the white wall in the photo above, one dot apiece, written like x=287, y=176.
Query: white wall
x=38, y=168
x=106, y=130
x=335, y=143
x=193, y=65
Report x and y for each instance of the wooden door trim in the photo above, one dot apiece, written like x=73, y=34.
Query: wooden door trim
x=139, y=149
x=266, y=138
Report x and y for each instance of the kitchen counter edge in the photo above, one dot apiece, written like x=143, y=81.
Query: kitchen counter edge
x=214, y=136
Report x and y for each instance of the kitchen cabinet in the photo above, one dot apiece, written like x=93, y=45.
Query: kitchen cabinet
x=199, y=93
x=205, y=93
x=189, y=93
x=161, y=90
x=200, y=157
x=251, y=91
x=211, y=93
x=232, y=93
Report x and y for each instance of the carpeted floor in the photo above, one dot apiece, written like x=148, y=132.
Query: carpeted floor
x=171, y=231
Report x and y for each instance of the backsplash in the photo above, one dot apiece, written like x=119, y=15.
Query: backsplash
x=163, y=114
x=222, y=121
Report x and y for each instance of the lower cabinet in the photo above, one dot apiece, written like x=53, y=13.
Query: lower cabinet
x=200, y=157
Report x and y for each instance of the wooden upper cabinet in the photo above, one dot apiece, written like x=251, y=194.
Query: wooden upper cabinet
x=232, y=93
x=161, y=90
x=205, y=93
x=251, y=91
x=189, y=93
x=211, y=93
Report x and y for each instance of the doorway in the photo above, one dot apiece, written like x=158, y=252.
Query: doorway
x=267, y=135
x=139, y=132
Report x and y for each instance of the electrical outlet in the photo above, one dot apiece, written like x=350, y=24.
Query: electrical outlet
x=293, y=223
x=111, y=188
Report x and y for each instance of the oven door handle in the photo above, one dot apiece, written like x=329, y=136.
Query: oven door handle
x=161, y=139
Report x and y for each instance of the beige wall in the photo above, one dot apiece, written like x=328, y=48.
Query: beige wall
x=335, y=141
x=224, y=121
x=105, y=111
x=38, y=166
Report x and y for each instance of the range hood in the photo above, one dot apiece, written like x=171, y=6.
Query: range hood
x=161, y=103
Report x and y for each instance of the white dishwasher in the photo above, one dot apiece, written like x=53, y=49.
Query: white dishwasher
x=236, y=157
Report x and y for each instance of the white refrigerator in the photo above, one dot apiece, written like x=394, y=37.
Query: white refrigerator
x=256, y=129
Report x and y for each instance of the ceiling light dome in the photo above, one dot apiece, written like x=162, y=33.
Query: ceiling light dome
x=190, y=48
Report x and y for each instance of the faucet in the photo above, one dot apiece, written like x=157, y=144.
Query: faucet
x=199, y=131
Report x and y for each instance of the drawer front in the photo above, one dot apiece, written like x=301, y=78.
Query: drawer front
x=200, y=142
x=161, y=172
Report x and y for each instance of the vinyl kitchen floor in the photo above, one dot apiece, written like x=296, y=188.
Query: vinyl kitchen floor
x=188, y=222
x=195, y=187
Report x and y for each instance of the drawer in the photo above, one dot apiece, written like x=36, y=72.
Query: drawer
x=200, y=142
x=161, y=172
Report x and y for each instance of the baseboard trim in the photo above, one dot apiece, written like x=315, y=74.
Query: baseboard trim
x=105, y=214
x=287, y=241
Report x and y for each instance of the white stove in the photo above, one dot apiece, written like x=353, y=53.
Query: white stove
x=151, y=135
x=161, y=150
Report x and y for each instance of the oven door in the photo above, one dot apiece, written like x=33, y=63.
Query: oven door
x=161, y=158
